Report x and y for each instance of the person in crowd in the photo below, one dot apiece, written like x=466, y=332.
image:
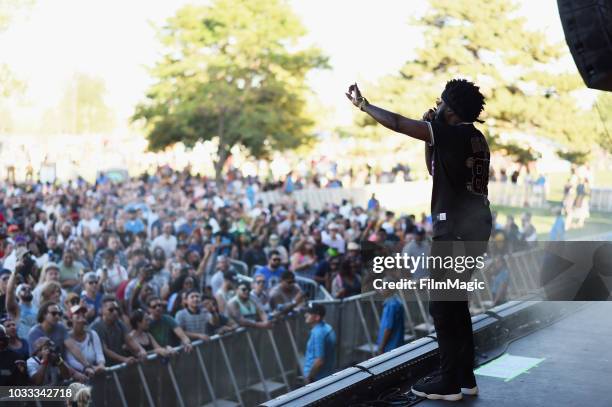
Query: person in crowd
x=226, y=292
x=87, y=341
x=218, y=324
x=512, y=232
x=328, y=268
x=12, y=364
x=139, y=322
x=333, y=238
x=347, y=282
x=245, y=311
x=81, y=395
x=163, y=327
x=419, y=247
x=320, y=353
x=70, y=270
x=391, y=330
x=113, y=243
x=259, y=294
x=181, y=285
x=118, y=346
x=91, y=295
x=5, y=275
x=273, y=270
x=49, y=324
x=194, y=318
x=255, y=254
x=274, y=245
x=19, y=300
x=51, y=291
x=303, y=260
x=111, y=273
x=166, y=241
x=16, y=343
x=529, y=234
x=287, y=295
x=47, y=367
x=557, y=232
x=50, y=272
x=222, y=266
x=134, y=224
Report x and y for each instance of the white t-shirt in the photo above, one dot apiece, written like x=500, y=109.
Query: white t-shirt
x=116, y=274
x=168, y=244
x=338, y=243
x=92, y=224
x=91, y=349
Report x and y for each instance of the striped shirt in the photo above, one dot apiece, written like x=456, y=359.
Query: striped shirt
x=191, y=322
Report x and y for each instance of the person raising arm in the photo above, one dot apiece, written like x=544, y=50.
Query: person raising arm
x=418, y=129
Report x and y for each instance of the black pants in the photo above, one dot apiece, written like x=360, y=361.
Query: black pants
x=452, y=319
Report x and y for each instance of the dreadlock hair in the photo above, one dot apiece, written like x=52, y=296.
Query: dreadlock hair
x=464, y=98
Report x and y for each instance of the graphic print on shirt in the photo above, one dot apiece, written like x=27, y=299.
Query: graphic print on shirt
x=479, y=164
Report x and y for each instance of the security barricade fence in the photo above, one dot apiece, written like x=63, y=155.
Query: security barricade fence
x=500, y=193
x=249, y=366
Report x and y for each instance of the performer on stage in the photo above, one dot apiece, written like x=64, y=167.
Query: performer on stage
x=457, y=157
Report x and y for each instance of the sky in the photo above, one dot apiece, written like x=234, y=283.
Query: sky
x=115, y=40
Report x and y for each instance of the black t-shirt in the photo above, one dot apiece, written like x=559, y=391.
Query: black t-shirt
x=9, y=374
x=460, y=169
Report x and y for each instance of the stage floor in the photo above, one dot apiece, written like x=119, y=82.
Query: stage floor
x=576, y=370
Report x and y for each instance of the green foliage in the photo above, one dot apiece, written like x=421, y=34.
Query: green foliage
x=9, y=83
x=575, y=156
x=233, y=73
x=487, y=42
x=520, y=154
x=82, y=109
x=603, y=117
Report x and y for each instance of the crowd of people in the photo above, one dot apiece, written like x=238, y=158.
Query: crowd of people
x=95, y=275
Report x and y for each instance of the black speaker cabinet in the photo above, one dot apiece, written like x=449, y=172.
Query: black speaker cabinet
x=588, y=32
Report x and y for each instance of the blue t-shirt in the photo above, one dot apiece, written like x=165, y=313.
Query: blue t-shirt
x=272, y=276
x=27, y=319
x=58, y=334
x=393, y=319
x=187, y=228
x=134, y=226
x=321, y=345
x=95, y=303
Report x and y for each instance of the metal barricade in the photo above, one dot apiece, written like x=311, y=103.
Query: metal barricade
x=252, y=365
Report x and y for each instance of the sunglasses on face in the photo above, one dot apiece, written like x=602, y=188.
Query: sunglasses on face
x=244, y=289
x=113, y=309
x=260, y=281
x=56, y=313
x=93, y=282
x=275, y=260
x=158, y=305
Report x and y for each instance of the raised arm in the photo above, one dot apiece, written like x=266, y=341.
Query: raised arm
x=418, y=129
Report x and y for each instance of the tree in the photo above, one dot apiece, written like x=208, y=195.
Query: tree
x=487, y=42
x=82, y=109
x=603, y=116
x=231, y=73
x=577, y=157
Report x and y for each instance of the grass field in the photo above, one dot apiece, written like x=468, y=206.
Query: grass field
x=542, y=220
x=556, y=180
